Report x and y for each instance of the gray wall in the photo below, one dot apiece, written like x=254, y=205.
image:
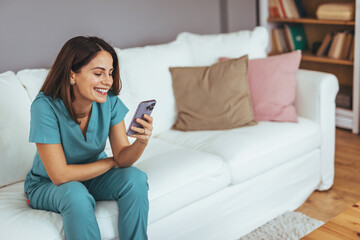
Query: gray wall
x=33, y=31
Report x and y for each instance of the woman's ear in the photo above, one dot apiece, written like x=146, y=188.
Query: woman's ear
x=72, y=77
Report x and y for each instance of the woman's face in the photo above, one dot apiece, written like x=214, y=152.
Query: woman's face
x=94, y=79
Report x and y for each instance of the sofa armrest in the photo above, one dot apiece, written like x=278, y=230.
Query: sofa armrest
x=315, y=100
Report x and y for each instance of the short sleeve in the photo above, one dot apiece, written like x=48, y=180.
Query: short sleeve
x=44, y=127
x=118, y=110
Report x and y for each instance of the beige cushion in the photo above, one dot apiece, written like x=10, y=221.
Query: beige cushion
x=216, y=97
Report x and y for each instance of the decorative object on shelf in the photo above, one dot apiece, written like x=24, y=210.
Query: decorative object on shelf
x=336, y=11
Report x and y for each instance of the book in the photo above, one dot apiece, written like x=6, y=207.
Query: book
x=281, y=8
x=273, y=9
x=351, y=53
x=333, y=43
x=344, y=97
x=336, y=46
x=276, y=38
x=325, y=45
x=293, y=9
x=287, y=9
x=273, y=44
x=346, y=46
x=298, y=37
x=300, y=7
x=288, y=37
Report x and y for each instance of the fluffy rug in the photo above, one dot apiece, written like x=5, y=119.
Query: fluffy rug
x=289, y=226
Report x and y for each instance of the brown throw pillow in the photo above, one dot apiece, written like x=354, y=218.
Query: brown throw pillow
x=216, y=97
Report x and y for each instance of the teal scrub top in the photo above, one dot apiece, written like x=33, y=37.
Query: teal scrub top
x=50, y=123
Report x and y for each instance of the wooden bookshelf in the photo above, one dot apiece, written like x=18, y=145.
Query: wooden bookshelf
x=347, y=71
x=311, y=21
x=308, y=56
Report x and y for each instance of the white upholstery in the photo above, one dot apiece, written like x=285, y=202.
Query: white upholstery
x=315, y=100
x=178, y=176
x=202, y=185
x=16, y=152
x=145, y=75
x=241, y=208
x=254, y=150
x=207, y=49
x=32, y=79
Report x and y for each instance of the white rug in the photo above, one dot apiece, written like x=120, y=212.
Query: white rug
x=289, y=226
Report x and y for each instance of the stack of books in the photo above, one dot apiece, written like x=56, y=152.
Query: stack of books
x=344, y=97
x=337, y=45
x=288, y=38
x=286, y=9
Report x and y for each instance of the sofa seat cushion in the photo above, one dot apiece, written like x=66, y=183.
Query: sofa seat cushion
x=178, y=176
x=253, y=150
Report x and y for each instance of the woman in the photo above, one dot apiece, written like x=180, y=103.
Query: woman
x=72, y=116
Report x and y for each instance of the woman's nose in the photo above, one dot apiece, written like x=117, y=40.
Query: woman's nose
x=107, y=80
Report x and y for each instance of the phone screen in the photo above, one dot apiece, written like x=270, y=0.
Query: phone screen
x=145, y=107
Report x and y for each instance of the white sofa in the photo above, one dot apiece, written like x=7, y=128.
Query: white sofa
x=203, y=184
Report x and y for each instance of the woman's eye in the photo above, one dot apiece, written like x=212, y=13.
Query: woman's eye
x=98, y=74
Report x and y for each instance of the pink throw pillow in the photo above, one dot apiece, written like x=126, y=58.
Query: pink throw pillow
x=272, y=83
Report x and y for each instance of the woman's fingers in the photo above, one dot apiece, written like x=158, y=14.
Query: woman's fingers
x=137, y=129
x=149, y=118
x=144, y=123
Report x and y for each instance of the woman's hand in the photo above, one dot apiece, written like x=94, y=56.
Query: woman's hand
x=144, y=133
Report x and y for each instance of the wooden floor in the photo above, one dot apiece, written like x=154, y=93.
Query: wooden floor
x=346, y=189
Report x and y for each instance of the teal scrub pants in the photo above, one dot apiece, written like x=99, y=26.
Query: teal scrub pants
x=75, y=201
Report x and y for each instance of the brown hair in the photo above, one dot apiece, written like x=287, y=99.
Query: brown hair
x=76, y=53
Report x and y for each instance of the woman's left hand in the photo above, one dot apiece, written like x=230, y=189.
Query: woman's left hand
x=144, y=133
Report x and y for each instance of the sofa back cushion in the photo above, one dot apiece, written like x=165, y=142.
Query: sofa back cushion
x=32, y=79
x=145, y=75
x=207, y=49
x=17, y=153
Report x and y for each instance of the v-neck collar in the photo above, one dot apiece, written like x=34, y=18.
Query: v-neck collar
x=91, y=126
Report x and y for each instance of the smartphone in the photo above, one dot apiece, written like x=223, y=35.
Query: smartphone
x=145, y=107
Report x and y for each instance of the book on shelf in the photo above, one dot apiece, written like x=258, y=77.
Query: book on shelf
x=344, y=97
x=336, y=45
x=325, y=45
x=293, y=10
x=273, y=9
x=298, y=36
x=281, y=8
x=286, y=8
x=347, y=45
x=279, y=44
x=300, y=7
x=351, y=52
x=287, y=34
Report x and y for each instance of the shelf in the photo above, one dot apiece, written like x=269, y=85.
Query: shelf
x=311, y=21
x=307, y=56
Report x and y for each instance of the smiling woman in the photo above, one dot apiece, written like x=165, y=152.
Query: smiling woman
x=76, y=110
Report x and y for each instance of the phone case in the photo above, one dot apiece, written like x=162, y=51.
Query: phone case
x=145, y=107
